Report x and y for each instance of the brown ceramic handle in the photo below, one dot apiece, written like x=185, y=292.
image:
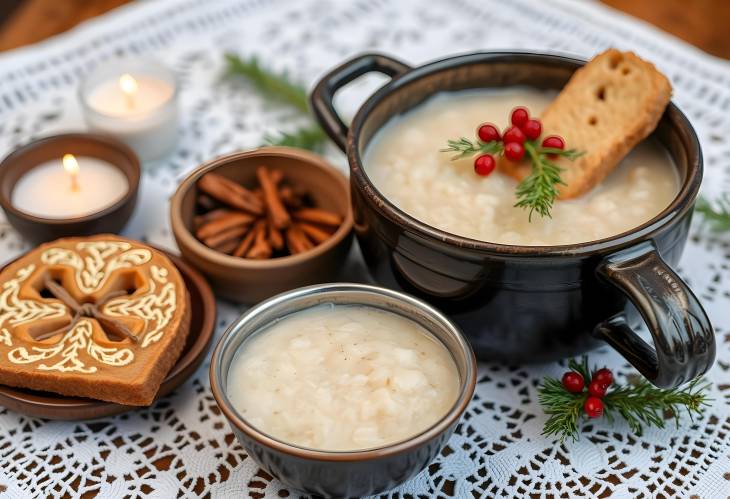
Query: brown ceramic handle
x=684, y=342
x=324, y=93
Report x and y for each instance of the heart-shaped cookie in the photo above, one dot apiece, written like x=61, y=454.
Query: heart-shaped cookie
x=100, y=317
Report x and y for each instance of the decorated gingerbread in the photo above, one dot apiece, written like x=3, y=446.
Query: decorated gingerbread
x=100, y=317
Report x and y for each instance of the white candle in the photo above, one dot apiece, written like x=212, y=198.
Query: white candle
x=69, y=187
x=136, y=102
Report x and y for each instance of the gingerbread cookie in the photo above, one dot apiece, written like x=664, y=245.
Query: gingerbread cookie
x=100, y=317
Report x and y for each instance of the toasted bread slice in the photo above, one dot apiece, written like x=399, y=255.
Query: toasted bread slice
x=607, y=107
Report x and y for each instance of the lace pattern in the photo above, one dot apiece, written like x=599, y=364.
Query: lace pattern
x=182, y=446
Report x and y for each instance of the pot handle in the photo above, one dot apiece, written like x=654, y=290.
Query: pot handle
x=324, y=92
x=684, y=342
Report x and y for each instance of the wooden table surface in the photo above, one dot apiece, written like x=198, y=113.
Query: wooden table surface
x=701, y=22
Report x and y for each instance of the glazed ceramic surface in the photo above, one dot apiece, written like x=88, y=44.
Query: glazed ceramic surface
x=521, y=303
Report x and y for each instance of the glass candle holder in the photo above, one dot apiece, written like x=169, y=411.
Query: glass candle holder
x=135, y=100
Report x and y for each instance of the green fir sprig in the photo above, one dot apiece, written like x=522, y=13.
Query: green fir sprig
x=717, y=217
x=640, y=404
x=536, y=192
x=465, y=148
x=280, y=88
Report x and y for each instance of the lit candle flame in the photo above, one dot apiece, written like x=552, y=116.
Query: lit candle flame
x=72, y=168
x=129, y=87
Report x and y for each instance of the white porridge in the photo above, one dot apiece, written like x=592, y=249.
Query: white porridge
x=405, y=164
x=343, y=378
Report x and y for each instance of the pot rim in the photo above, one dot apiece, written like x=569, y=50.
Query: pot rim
x=680, y=205
x=466, y=390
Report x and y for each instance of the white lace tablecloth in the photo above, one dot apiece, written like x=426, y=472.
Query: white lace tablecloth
x=182, y=446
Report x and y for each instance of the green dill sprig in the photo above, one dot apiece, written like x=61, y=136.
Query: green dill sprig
x=466, y=148
x=278, y=87
x=717, y=218
x=640, y=404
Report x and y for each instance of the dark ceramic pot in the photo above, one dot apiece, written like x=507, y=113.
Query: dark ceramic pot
x=342, y=473
x=520, y=303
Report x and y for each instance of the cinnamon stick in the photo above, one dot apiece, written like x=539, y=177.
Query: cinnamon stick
x=315, y=233
x=209, y=216
x=275, y=208
x=261, y=248
x=296, y=240
x=229, y=246
x=244, y=245
x=230, y=193
x=222, y=223
x=225, y=235
x=318, y=216
x=276, y=239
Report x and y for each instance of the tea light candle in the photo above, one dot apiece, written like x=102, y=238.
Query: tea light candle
x=343, y=378
x=69, y=187
x=136, y=101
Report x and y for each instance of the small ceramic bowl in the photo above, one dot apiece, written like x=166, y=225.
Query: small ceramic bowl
x=111, y=219
x=351, y=473
x=246, y=280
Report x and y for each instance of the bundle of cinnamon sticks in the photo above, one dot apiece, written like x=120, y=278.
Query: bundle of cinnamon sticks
x=271, y=220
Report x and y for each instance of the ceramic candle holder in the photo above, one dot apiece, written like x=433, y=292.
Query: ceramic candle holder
x=111, y=218
x=135, y=100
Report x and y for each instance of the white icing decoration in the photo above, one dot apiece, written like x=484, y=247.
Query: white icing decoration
x=93, y=270
x=156, y=307
x=15, y=311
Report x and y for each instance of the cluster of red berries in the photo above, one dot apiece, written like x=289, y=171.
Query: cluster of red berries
x=597, y=388
x=523, y=128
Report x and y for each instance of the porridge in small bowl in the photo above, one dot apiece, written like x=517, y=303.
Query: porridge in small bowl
x=343, y=378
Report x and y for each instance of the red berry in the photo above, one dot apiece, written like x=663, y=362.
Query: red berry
x=514, y=134
x=484, y=164
x=532, y=129
x=573, y=382
x=519, y=116
x=597, y=389
x=604, y=377
x=593, y=407
x=488, y=133
x=554, y=141
x=514, y=151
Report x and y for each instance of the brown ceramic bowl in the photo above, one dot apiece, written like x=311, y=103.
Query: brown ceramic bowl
x=60, y=407
x=343, y=473
x=248, y=281
x=109, y=220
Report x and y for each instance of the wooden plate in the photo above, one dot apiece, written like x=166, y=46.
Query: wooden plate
x=54, y=406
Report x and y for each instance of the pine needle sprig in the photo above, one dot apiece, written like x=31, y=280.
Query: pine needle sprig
x=278, y=87
x=538, y=191
x=643, y=404
x=640, y=404
x=311, y=138
x=717, y=218
x=274, y=86
x=466, y=148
